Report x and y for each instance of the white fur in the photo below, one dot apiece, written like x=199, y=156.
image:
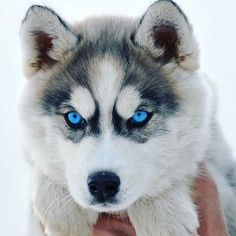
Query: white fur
x=107, y=78
x=83, y=102
x=123, y=106
x=149, y=215
x=156, y=177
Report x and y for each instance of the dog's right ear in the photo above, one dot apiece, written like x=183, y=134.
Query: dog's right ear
x=165, y=32
x=46, y=39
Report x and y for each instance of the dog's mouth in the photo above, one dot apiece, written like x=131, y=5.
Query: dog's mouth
x=113, y=225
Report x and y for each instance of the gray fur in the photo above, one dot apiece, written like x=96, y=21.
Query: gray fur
x=146, y=76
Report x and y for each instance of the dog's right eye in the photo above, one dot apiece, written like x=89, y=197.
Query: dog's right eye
x=75, y=120
x=139, y=118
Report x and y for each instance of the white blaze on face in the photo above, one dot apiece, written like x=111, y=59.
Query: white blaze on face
x=83, y=102
x=107, y=76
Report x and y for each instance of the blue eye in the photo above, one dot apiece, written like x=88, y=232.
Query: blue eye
x=75, y=120
x=140, y=118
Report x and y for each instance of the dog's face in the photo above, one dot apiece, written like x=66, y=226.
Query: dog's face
x=113, y=109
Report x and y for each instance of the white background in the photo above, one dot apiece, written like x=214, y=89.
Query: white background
x=214, y=23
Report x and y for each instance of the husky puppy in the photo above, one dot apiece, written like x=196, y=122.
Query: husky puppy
x=117, y=118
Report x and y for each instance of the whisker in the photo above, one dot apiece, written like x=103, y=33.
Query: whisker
x=67, y=204
x=57, y=202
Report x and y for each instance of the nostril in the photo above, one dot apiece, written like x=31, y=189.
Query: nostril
x=111, y=189
x=93, y=188
x=103, y=185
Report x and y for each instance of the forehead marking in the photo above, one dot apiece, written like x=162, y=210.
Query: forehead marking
x=106, y=78
x=128, y=101
x=83, y=102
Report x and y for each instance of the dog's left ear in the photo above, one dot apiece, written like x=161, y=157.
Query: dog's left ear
x=165, y=32
x=46, y=39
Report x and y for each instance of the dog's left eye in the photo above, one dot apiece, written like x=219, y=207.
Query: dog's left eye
x=75, y=120
x=140, y=118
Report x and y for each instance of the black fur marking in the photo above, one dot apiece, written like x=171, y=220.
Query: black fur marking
x=123, y=128
x=141, y=72
x=94, y=123
x=117, y=121
x=60, y=86
x=58, y=92
x=146, y=76
x=54, y=96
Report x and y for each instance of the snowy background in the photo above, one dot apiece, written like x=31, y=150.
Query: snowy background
x=214, y=23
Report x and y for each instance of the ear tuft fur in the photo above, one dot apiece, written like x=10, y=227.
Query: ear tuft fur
x=165, y=36
x=46, y=39
x=165, y=32
x=43, y=43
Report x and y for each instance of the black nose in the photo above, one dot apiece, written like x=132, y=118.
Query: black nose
x=103, y=185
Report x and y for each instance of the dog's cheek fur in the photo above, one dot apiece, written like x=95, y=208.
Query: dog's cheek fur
x=40, y=136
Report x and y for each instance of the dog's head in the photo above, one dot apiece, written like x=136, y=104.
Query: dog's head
x=113, y=108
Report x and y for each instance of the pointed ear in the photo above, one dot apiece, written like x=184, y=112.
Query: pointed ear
x=164, y=31
x=46, y=39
